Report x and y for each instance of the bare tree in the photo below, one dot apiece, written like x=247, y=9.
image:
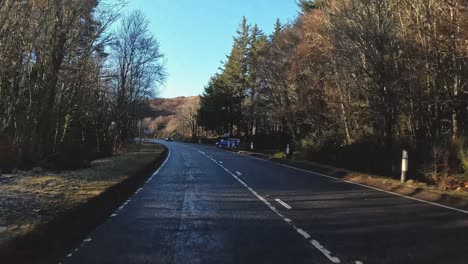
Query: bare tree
x=139, y=68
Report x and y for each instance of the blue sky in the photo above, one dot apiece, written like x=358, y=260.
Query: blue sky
x=196, y=35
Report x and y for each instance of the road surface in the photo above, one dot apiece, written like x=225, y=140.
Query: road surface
x=206, y=205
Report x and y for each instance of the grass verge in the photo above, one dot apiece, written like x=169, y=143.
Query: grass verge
x=43, y=214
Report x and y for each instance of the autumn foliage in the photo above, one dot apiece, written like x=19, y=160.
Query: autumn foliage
x=352, y=83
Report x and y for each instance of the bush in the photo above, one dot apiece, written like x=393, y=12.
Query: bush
x=368, y=155
x=279, y=155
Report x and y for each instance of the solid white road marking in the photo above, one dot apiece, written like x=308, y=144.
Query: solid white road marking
x=283, y=204
x=362, y=185
x=276, y=211
x=327, y=253
x=129, y=199
x=303, y=233
x=377, y=189
x=238, y=173
x=162, y=165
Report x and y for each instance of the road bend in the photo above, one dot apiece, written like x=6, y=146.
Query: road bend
x=206, y=205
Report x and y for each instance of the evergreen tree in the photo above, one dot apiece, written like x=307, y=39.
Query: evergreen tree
x=235, y=75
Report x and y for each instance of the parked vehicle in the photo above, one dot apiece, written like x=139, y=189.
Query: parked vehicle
x=228, y=143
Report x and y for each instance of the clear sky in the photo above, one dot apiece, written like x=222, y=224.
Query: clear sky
x=196, y=35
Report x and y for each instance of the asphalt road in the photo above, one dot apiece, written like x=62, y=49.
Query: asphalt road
x=206, y=205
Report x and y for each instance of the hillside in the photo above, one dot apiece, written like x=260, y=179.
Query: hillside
x=170, y=116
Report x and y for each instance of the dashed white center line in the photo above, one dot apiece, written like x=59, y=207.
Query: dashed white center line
x=303, y=233
x=325, y=251
x=88, y=240
x=358, y=262
x=315, y=243
x=220, y=162
x=283, y=204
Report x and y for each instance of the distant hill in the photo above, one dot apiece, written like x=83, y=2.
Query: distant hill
x=172, y=115
x=167, y=106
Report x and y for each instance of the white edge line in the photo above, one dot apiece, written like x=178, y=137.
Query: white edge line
x=377, y=189
x=129, y=199
x=359, y=184
x=164, y=163
x=285, y=205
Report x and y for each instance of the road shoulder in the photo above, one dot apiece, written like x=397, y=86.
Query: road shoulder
x=411, y=189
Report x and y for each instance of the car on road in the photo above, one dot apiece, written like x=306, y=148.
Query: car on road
x=228, y=143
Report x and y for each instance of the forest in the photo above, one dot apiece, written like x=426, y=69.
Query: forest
x=75, y=76
x=352, y=83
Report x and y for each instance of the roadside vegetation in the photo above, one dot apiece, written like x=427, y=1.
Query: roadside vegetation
x=351, y=83
x=75, y=77
x=173, y=117
x=36, y=197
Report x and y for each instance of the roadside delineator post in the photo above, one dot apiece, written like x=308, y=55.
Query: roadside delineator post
x=287, y=149
x=404, y=166
x=199, y=141
x=251, y=145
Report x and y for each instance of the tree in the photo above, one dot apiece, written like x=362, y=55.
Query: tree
x=58, y=94
x=360, y=74
x=139, y=68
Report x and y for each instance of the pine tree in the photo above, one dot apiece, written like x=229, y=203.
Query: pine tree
x=277, y=31
x=258, y=47
x=235, y=74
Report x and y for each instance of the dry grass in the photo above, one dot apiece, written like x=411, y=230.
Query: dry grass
x=28, y=199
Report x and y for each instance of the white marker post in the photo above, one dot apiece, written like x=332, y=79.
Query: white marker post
x=287, y=149
x=199, y=141
x=251, y=145
x=139, y=130
x=404, y=166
